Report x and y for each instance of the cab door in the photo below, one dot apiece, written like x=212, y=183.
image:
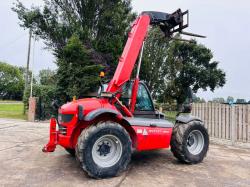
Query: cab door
x=144, y=107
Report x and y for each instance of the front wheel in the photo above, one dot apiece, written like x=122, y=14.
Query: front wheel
x=104, y=150
x=190, y=142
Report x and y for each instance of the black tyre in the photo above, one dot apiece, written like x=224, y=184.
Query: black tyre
x=190, y=142
x=104, y=150
x=70, y=151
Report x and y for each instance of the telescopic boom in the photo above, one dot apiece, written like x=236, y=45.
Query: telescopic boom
x=168, y=23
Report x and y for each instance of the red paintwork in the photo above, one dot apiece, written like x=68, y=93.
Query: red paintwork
x=134, y=94
x=130, y=53
x=124, y=108
x=155, y=138
x=50, y=147
x=149, y=138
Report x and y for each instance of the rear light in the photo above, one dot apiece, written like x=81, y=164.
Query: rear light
x=65, y=118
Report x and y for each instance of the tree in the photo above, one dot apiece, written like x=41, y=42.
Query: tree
x=153, y=68
x=11, y=82
x=171, y=67
x=197, y=99
x=230, y=99
x=77, y=73
x=96, y=29
x=47, y=77
x=101, y=25
x=190, y=65
x=23, y=72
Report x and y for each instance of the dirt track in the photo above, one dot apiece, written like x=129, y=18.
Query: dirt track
x=24, y=164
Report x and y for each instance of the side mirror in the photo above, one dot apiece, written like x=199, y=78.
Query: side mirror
x=187, y=108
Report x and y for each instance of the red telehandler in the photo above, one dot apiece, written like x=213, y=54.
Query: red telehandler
x=103, y=132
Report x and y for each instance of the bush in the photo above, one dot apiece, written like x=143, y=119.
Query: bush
x=45, y=95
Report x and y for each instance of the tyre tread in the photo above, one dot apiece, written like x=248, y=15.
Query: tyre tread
x=177, y=141
x=90, y=131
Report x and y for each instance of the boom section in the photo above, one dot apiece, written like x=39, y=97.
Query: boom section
x=130, y=53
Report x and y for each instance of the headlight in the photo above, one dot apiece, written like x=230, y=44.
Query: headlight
x=65, y=118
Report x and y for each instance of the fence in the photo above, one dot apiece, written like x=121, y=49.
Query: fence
x=224, y=121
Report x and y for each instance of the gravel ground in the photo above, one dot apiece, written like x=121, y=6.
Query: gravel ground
x=24, y=164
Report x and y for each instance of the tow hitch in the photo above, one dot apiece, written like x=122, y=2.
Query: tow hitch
x=51, y=145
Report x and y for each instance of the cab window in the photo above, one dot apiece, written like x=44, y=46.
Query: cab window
x=126, y=94
x=143, y=100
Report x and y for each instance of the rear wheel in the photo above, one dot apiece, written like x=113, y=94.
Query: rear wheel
x=190, y=142
x=104, y=150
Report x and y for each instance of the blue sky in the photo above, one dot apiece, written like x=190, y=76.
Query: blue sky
x=226, y=24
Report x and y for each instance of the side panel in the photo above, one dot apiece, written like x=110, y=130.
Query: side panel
x=149, y=138
x=149, y=122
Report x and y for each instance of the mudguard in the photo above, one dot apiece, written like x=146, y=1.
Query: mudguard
x=186, y=118
x=95, y=113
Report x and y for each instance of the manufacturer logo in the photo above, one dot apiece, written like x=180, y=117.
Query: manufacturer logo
x=158, y=131
x=145, y=132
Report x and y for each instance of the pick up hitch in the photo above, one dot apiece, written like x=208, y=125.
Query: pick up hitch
x=51, y=145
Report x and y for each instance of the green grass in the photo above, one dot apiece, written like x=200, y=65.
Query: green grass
x=12, y=110
x=171, y=115
x=9, y=101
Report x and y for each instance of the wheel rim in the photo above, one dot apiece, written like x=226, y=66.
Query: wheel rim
x=195, y=142
x=107, y=151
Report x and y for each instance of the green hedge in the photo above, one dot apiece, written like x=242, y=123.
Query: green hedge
x=45, y=95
